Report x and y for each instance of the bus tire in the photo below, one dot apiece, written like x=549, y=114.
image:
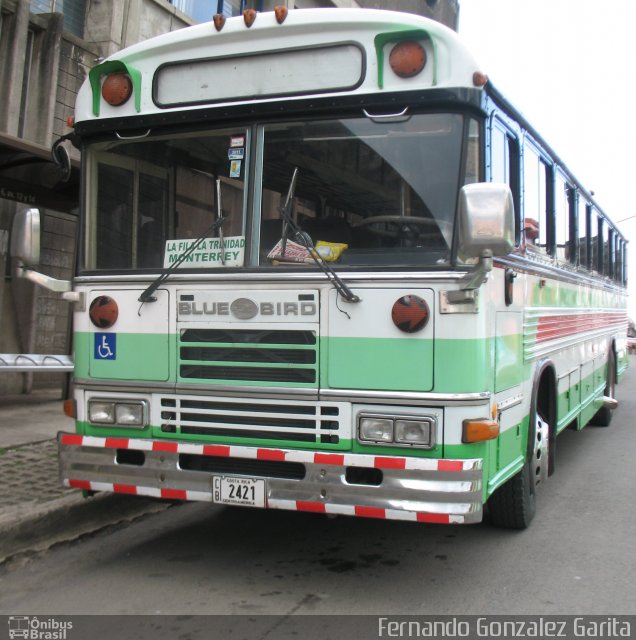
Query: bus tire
x=603, y=417
x=513, y=505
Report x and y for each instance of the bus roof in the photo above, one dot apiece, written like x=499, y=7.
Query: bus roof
x=313, y=52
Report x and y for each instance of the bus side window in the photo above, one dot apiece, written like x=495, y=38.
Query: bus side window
x=608, y=251
x=564, y=203
x=535, y=189
x=618, y=249
x=504, y=167
x=597, y=242
x=585, y=216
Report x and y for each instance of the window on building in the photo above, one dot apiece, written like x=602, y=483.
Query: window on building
x=74, y=12
x=203, y=10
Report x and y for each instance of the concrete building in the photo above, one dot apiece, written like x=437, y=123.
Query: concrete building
x=47, y=48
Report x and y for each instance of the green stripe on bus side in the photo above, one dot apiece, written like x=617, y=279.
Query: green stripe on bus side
x=443, y=365
x=463, y=366
x=139, y=356
x=390, y=364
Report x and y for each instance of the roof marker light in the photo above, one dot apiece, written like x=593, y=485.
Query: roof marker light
x=117, y=88
x=281, y=13
x=407, y=59
x=249, y=15
x=219, y=21
x=479, y=79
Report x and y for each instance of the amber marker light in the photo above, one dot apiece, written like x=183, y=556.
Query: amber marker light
x=70, y=408
x=479, y=430
x=103, y=312
x=407, y=59
x=410, y=313
x=70, y=122
x=117, y=88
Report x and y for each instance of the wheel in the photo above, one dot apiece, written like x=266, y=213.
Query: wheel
x=603, y=417
x=513, y=505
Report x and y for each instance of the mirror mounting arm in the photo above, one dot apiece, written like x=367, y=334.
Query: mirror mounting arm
x=470, y=283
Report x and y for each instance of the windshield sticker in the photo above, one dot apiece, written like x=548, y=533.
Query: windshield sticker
x=209, y=253
x=237, y=141
x=235, y=169
x=236, y=154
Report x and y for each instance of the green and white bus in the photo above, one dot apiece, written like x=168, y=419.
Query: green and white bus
x=325, y=266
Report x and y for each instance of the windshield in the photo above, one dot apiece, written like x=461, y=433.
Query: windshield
x=367, y=193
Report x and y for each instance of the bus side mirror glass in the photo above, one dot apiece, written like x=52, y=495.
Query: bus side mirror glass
x=486, y=221
x=25, y=237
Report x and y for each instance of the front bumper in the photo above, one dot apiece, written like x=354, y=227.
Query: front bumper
x=395, y=488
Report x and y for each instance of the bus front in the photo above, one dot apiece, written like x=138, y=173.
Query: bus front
x=271, y=309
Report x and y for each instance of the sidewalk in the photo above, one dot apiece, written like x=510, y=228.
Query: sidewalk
x=35, y=510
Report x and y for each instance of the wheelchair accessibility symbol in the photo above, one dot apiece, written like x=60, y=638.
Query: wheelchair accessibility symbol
x=105, y=347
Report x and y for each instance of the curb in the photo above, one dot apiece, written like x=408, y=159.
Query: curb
x=33, y=527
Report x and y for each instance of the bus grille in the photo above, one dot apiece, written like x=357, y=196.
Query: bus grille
x=249, y=355
x=241, y=419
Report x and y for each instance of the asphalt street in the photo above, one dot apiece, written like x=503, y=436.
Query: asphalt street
x=577, y=557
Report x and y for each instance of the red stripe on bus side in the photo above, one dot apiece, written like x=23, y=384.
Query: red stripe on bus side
x=450, y=465
x=80, y=484
x=125, y=488
x=168, y=447
x=390, y=463
x=270, y=454
x=216, y=450
x=314, y=507
x=436, y=518
x=71, y=439
x=116, y=443
x=174, y=494
x=370, y=512
x=558, y=326
x=329, y=458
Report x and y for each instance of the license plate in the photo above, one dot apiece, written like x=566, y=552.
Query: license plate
x=249, y=492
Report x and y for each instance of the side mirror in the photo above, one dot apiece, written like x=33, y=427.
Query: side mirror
x=25, y=237
x=486, y=221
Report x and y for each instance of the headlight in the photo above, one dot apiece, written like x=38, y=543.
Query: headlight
x=396, y=430
x=375, y=429
x=124, y=414
x=413, y=432
x=129, y=414
x=101, y=412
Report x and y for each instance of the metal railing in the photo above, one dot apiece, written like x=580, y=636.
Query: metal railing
x=25, y=362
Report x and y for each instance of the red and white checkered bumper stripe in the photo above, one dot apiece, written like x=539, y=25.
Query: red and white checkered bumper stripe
x=415, y=489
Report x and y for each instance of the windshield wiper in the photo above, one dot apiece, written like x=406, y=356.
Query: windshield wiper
x=147, y=295
x=305, y=240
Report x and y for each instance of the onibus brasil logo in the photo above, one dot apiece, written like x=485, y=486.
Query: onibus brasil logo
x=34, y=628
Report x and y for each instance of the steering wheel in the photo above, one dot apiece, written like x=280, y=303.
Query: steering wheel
x=403, y=225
